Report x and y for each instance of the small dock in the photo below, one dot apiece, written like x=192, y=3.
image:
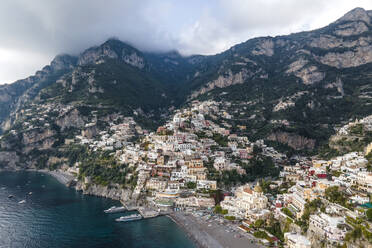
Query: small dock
x=146, y=213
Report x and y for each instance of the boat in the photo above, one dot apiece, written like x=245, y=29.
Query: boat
x=21, y=202
x=30, y=193
x=114, y=209
x=10, y=196
x=131, y=217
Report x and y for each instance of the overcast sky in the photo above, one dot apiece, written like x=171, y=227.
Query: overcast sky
x=32, y=32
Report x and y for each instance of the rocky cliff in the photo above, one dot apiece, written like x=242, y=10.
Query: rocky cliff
x=14, y=96
x=294, y=89
x=295, y=141
x=9, y=160
x=113, y=192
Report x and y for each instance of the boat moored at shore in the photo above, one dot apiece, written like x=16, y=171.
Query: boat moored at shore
x=131, y=217
x=114, y=209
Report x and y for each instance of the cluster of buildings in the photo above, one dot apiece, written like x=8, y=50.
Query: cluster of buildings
x=310, y=180
x=115, y=137
x=173, y=163
x=37, y=116
x=172, y=169
x=365, y=122
x=247, y=203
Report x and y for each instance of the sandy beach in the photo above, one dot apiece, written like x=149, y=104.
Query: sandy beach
x=62, y=177
x=212, y=234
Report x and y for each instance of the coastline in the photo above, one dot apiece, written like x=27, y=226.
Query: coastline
x=62, y=177
x=193, y=234
x=211, y=234
x=197, y=232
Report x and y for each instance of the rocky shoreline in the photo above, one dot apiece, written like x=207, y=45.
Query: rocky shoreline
x=199, y=237
x=62, y=177
x=196, y=233
x=112, y=192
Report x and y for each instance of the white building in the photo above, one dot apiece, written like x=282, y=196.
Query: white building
x=327, y=227
x=295, y=240
x=245, y=200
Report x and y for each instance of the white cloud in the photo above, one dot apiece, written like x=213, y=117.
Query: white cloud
x=32, y=32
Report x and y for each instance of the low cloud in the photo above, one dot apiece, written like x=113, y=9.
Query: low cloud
x=33, y=32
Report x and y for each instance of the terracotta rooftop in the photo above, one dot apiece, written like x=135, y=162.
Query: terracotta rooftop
x=247, y=190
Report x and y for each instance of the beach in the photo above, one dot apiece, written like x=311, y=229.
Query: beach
x=57, y=216
x=204, y=232
x=211, y=233
x=62, y=177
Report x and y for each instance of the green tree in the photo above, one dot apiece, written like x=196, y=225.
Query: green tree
x=287, y=212
x=191, y=185
x=259, y=223
x=369, y=214
x=334, y=195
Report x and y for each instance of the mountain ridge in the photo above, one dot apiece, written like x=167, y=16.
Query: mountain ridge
x=312, y=80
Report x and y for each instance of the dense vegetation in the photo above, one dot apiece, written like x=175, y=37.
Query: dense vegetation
x=333, y=194
x=310, y=208
x=258, y=167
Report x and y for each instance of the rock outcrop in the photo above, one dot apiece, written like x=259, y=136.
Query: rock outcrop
x=13, y=96
x=9, y=160
x=112, y=49
x=360, y=56
x=353, y=28
x=223, y=81
x=266, y=47
x=96, y=55
x=35, y=136
x=113, y=192
x=295, y=141
x=310, y=75
x=134, y=60
x=357, y=14
x=70, y=119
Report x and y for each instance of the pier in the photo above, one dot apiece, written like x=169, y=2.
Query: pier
x=146, y=213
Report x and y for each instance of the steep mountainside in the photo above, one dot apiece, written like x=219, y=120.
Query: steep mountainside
x=293, y=90
x=13, y=96
x=295, y=87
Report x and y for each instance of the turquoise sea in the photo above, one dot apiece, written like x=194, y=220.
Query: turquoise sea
x=57, y=216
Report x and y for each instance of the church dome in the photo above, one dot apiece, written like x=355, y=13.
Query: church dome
x=258, y=188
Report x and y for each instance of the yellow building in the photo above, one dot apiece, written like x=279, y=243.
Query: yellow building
x=368, y=149
x=194, y=163
x=160, y=160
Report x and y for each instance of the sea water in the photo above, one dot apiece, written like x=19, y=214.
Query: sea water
x=56, y=216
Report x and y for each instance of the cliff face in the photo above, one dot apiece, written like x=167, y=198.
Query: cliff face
x=9, y=160
x=113, y=192
x=70, y=119
x=343, y=44
x=224, y=81
x=14, y=96
x=295, y=141
x=112, y=49
x=293, y=89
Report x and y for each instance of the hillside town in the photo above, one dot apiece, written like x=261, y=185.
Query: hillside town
x=195, y=164
x=179, y=168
